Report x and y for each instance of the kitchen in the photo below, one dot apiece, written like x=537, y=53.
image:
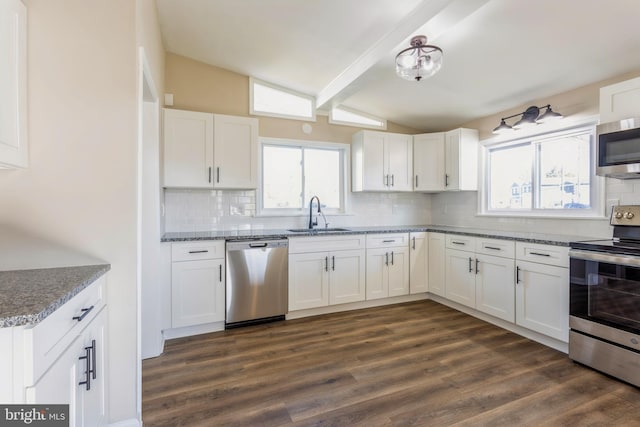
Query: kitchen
x=90, y=203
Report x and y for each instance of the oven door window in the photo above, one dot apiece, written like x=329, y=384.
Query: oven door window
x=606, y=293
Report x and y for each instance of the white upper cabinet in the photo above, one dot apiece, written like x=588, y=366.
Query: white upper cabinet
x=428, y=162
x=13, y=84
x=235, y=152
x=446, y=161
x=620, y=101
x=203, y=150
x=381, y=161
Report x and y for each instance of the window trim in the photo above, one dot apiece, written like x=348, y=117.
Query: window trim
x=597, y=210
x=304, y=211
x=252, y=111
x=333, y=121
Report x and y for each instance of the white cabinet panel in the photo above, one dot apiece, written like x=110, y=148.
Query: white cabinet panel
x=543, y=254
x=542, y=299
x=398, y=272
x=308, y=280
x=620, y=101
x=437, y=260
x=460, y=277
x=377, y=273
x=418, y=263
x=428, y=162
x=399, y=152
x=235, y=152
x=197, y=292
x=347, y=277
x=13, y=85
x=495, y=290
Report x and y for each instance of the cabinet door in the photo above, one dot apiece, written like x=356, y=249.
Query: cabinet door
x=452, y=157
x=197, y=292
x=374, y=168
x=59, y=385
x=398, y=270
x=188, y=149
x=436, y=272
x=620, y=101
x=235, y=152
x=399, y=153
x=495, y=288
x=13, y=84
x=377, y=273
x=93, y=410
x=542, y=299
x=308, y=280
x=461, y=160
x=460, y=276
x=428, y=162
x=418, y=262
x=347, y=276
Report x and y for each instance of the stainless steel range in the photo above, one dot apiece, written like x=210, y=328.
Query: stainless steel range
x=605, y=299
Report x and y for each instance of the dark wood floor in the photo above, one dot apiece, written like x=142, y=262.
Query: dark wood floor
x=416, y=364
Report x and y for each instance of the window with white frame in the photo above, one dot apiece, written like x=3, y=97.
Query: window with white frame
x=547, y=175
x=349, y=117
x=294, y=171
x=267, y=99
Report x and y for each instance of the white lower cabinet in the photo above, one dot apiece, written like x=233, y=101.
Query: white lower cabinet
x=78, y=377
x=418, y=262
x=495, y=292
x=387, y=265
x=197, y=283
x=327, y=277
x=542, y=295
x=460, y=277
x=437, y=258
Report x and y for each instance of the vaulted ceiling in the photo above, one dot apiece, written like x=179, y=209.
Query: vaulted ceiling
x=498, y=54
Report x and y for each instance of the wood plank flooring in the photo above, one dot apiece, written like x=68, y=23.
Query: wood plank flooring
x=415, y=364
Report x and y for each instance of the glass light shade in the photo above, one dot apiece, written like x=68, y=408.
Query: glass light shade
x=419, y=61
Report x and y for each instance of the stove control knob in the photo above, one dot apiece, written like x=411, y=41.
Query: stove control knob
x=618, y=215
x=629, y=215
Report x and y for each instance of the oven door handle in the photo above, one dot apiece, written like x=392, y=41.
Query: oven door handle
x=630, y=260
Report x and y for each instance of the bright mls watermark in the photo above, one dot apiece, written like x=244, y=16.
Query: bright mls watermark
x=34, y=415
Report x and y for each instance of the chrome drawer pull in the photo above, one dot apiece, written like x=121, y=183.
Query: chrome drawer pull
x=539, y=254
x=85, y=311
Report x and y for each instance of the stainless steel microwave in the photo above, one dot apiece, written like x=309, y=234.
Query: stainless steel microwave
x=618, y=149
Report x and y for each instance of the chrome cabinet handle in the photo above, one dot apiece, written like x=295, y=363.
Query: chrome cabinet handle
x=517, y=274
x=85, y=312
x=470, y=261
x=333, y=263
x=446, y=180
x=414, y=243
x=220, y=267
x=416, y=181
x=326, y=263
x=391, y=257
x=386, y=258
x=218, y=174
x=209, y=174
x=393, y=181
x=539, y=254
x=87, y=370
x=477, y=262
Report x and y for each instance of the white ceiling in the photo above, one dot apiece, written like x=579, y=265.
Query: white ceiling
x=498, y=54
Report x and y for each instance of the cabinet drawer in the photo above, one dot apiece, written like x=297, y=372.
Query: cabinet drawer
x=463, y=243
x=496, y=247
x=387, y=240
x=45, y=341
x=543, y=254
x=197, y=250
x=326, y=243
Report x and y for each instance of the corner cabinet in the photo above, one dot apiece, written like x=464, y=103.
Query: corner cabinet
x=418, y=262
x=197, y=283
x=381, y=161
x=13, y=85
x=211, y=151
x=446, y=161
x=620, y=101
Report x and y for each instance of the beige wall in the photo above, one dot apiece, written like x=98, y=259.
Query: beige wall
x=200, y=87
x=577, y=103
x=80, y=188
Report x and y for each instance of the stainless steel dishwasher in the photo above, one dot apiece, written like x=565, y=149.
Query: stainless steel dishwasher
x=257, y=281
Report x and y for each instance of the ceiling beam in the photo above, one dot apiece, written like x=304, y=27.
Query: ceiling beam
x=431, y=17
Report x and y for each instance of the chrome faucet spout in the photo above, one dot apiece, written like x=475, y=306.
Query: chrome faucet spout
x=313, y=223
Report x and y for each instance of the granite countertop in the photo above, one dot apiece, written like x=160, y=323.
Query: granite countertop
x=29, y=296
x=548, y=239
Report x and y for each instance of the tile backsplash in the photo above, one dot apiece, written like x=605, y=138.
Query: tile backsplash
x=204, y=210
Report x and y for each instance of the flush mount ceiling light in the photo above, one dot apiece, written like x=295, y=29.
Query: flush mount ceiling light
x=419, y=61
x=531, y=116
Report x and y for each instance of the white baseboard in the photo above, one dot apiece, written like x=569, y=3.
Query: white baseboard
x=188, y=331
x=132, y=422
x=354, y=306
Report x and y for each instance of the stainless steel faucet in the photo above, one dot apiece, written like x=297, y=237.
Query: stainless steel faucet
x=313, y=222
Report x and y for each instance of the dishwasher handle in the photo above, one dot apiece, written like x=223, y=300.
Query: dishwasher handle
x=241, y=245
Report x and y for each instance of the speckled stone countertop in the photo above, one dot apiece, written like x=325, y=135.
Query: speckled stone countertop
x=29, y=296
x=548, y=239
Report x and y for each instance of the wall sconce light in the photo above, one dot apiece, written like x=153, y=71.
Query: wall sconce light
x=531, y=116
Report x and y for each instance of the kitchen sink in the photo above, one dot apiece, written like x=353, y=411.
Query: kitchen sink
x=317, y=230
